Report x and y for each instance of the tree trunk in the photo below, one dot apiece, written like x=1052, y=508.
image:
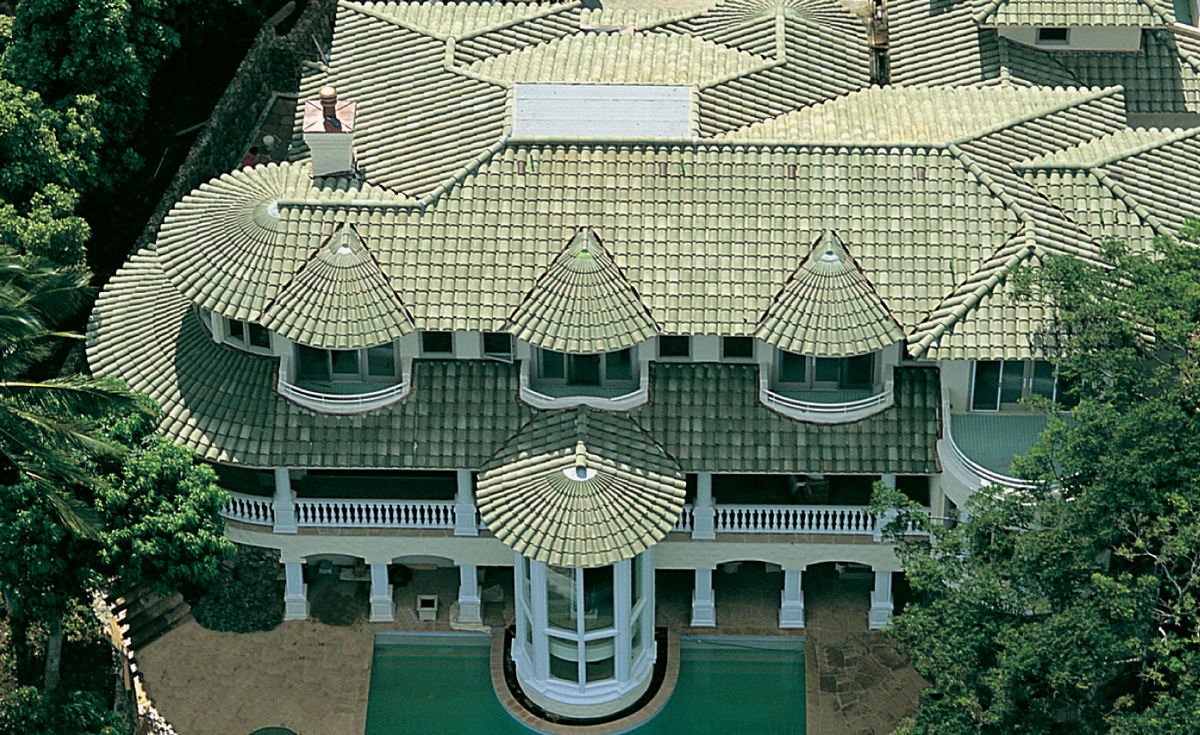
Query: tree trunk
x=53, y=655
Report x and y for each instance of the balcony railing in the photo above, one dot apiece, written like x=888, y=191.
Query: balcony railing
x=956, y=462
x=825, y=413
x=337, y=403
x=623, y=402
x=329, y=513
x=845, y=520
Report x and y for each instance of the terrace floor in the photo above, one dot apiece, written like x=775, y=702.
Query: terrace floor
x=312, y=677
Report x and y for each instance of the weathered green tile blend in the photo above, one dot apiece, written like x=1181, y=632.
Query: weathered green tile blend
x=1141, y=13
x=982, y=155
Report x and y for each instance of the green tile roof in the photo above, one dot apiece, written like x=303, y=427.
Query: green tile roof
x=582, y=303
x=828, y=307
x=1164, y=77
x=939, y=43
x=580, y=488
x=222, y=402
x=339, y=300
x=909, y=114
x=1142, y=13
x=618, y=58
x=708, y=416
x=466, y=19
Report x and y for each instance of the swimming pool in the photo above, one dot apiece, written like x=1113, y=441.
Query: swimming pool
x=441, y=683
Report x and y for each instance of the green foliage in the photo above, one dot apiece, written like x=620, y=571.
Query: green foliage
x=27, y=711
x=1074, y=606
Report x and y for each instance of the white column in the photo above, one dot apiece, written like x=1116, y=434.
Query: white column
x=791, y=609
x=284, y=503
x=881, y=601
x=295, y=593
x=383, y=610
x=464, y=506
x=470, y=607
x=704, y=514
x=704, y=608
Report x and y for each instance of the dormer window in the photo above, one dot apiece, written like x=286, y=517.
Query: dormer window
x=737, y=348
x=437, y=343
x=371, y=365
x=597, y=369
x=825, y=373
x=1052, y=36
x=247, y=334
x=498, y=344
x=674, y=347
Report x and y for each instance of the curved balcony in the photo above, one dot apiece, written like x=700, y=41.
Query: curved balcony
x=826, y=412
x=993, y=439
x=608, y=398
x=340, y=403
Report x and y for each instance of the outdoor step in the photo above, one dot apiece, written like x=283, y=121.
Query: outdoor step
x=153, y=606
x=155, y=627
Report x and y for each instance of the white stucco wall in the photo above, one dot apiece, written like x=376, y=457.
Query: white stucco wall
x=1079, y=38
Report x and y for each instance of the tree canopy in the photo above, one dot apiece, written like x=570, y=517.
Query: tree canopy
x=1074, y=606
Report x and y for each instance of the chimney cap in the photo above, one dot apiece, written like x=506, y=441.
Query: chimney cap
x=316, y=114
x=328, y=94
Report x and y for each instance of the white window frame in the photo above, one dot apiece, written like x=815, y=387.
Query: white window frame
x=437, y=354
x=362, y=376
x=674, y=358
x=1027, y=371
x=506, y=356
x=740, y=360
x=543, y=356
x=810, y=381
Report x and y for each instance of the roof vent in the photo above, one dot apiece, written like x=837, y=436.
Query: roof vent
x=329, y=133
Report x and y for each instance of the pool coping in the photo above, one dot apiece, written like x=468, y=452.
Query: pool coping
x=623, y=724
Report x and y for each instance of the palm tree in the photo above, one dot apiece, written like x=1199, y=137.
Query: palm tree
x=47, y=426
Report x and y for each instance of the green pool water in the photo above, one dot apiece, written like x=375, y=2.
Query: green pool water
x=727, y=686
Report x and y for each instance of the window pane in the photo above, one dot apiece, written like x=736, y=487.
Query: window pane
x=381, y=361
x=259, y=337
x=561, y=668
x=619, y=365
x=636, y=573
x=345, y=362
x=560, y=597
x=860, y=371
x=437, y=342
x=1043, y=379
x=674, y=346
x=602, y=669
x=236, y=330
x=827, y=369
x=792, y=367
x=737, y=348
x=1011, y=379
x=987, y=385
x=550, y=365
x=497, y=343
x=598, y=598
x=312, y=364
x=584, y=369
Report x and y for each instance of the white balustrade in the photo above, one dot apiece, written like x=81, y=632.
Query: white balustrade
x=831, y=519
x=685, y=521
x=626, y=402
x=826, y=413
x=329, y=513
x=338, y=403
x=248, y=509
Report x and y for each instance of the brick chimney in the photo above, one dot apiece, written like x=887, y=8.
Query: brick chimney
x=329, y=133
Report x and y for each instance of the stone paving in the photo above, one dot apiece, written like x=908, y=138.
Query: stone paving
x=313, y=678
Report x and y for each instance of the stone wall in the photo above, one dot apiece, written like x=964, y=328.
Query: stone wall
x=273, y=64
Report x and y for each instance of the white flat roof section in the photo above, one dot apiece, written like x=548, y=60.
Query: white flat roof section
x=601, y=111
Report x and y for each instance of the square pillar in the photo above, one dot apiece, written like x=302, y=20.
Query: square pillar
x=704, y=608
x=704, y=514
x=791, y=608
x=295, y=592
x=383, y=610
x=283, y=505
x=464, y=506
x=470, y=607
x=881, y=601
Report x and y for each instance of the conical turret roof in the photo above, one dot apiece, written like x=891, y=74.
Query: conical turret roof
x=828, y=307
x=582, y=303
x=340, y=299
